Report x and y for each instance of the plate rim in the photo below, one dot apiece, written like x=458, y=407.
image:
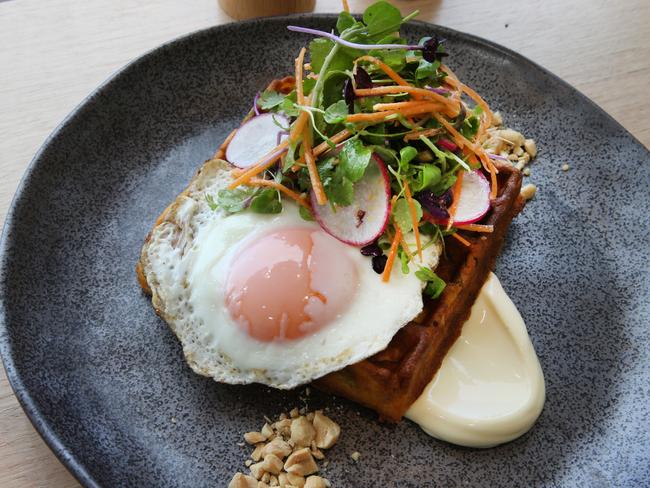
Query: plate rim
x=24, y=396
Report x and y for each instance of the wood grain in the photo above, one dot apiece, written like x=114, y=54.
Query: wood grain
x=54, y=53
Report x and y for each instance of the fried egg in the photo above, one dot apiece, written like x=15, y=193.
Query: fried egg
x=271, y=299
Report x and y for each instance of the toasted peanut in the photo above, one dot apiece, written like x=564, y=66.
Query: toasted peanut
x=355, y=456
x=277, y=447
x=511, y=136
x=261, y=484
x=497, y=119
x=283, y=416
x=530, y=147
x=242, y=481
x=526, y=171
x=310, y=416
x=257, y=470
x=302, y=432
x=294, y=413
x=267, y=431
x=254, y=437
x=528, y=191
x=316, y=482
x=301, y=462
x=248, y=462
x=327, y=431
x=266, y=478
x=274, y=481
x=317, y=453
x=290, y=479
x=566, y=167
x=520, y=151
x=257, y=454
x=272, y=464
x=283, y=427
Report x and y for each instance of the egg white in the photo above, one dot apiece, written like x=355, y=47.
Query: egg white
x=186, y=262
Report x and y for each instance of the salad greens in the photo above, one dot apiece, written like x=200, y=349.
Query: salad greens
x=369, y=93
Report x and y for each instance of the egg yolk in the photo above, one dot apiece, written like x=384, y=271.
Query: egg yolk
x=289, y=283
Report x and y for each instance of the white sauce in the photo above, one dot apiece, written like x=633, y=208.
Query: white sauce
x=490, y=387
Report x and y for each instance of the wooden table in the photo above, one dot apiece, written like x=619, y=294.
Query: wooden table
x=54, y=53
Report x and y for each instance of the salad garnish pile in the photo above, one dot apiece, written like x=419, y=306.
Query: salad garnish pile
x=379, y=142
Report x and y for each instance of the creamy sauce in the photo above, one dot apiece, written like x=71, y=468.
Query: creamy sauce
x=490, y=387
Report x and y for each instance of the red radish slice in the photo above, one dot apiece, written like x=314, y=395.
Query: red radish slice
x=474, y=200
x=365, y=219
x=255, y=138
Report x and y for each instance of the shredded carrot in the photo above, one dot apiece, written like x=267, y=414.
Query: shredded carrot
x=263, y=164
x=392, y=74
x=424, y=108
x=414, y=217
x=455, y=191
x=300, y=97
x=421, y=132
x=381, y=107
x=412, y=90
x=464, y=241
x=279, y=186
x=451, y=76
x=324, y=146
x=221, y=152
x=385, y=277
x=477, y=228
x=406, y=248
x=493, y=182
x=316, y=183
x=346, y=7
x=298, y=126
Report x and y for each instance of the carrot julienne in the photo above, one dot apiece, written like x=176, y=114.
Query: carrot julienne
x=392, y=74
x=324, y=146
x=268, y=160
x=300, y=97
x=316, y=183
x=279, y=186
x=346, y=7
x=414, y=217
x=406, y=248
x=411, y=90
x=385, y=276
x=461, y=239
x=382, y=107
x=221, y=152
x=455, y=191
x=476, y=228
x=425, y=108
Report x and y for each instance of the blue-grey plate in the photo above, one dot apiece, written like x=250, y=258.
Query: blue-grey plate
x=102, y=378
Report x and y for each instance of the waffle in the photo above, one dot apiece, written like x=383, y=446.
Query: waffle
x=391, y=380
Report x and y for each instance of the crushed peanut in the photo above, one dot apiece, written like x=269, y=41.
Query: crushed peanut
x=286, y=451
x=355, y=456
x=528, y=191
x=565, y=167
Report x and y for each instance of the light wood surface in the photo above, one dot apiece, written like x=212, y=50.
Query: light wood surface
x=52, y=54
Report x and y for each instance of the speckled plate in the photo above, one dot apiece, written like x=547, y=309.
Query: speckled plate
x=102, y=378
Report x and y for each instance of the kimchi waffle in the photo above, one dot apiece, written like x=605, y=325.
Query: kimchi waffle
x=391, y=380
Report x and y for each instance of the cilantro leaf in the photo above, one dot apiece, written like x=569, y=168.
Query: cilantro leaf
x=435, y=285
x=428, y=176
x=267, y=202
x=288, y=105
x=211, y=203
x=354, y=159
x=336, y=113
x=340, y=190
x=406, y=155
x=305, y=214
x=270, y=99
x=233, y=201
x=382, y=17
x=344, y=21
x=402, y=214
x=426, y=69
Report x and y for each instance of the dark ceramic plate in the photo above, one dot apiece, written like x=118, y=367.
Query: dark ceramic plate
x=102, y=377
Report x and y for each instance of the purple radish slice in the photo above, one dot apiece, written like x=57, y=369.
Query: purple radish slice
x=362, y=222
x=255, y=139
x=474, y=200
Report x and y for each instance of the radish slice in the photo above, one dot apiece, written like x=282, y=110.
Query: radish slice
x=365, y=219
x=474, y=200
x=255, y=139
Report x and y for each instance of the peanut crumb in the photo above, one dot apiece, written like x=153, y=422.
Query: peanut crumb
x=355, y=456
x=566, y=167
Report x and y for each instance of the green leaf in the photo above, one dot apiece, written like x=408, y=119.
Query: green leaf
x=308, y=85
x=233, y=201
x=270, y=99
x=211, y=203
x=341, y=190
x=288, y=105
x=289, y=158
x=402, y=214
x=336, y=113
x=426, y=69
x=406, y=155
x=319, y=48
x=382, y=17
x=305, y=214
x=344, y=21
x=435, y=287
x=470, y=126
x=428, y=176
x=404, y=261
x=267, y=202
x=425, y=274
x=354, y=159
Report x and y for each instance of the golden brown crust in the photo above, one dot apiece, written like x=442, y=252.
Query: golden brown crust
x=391, y=380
